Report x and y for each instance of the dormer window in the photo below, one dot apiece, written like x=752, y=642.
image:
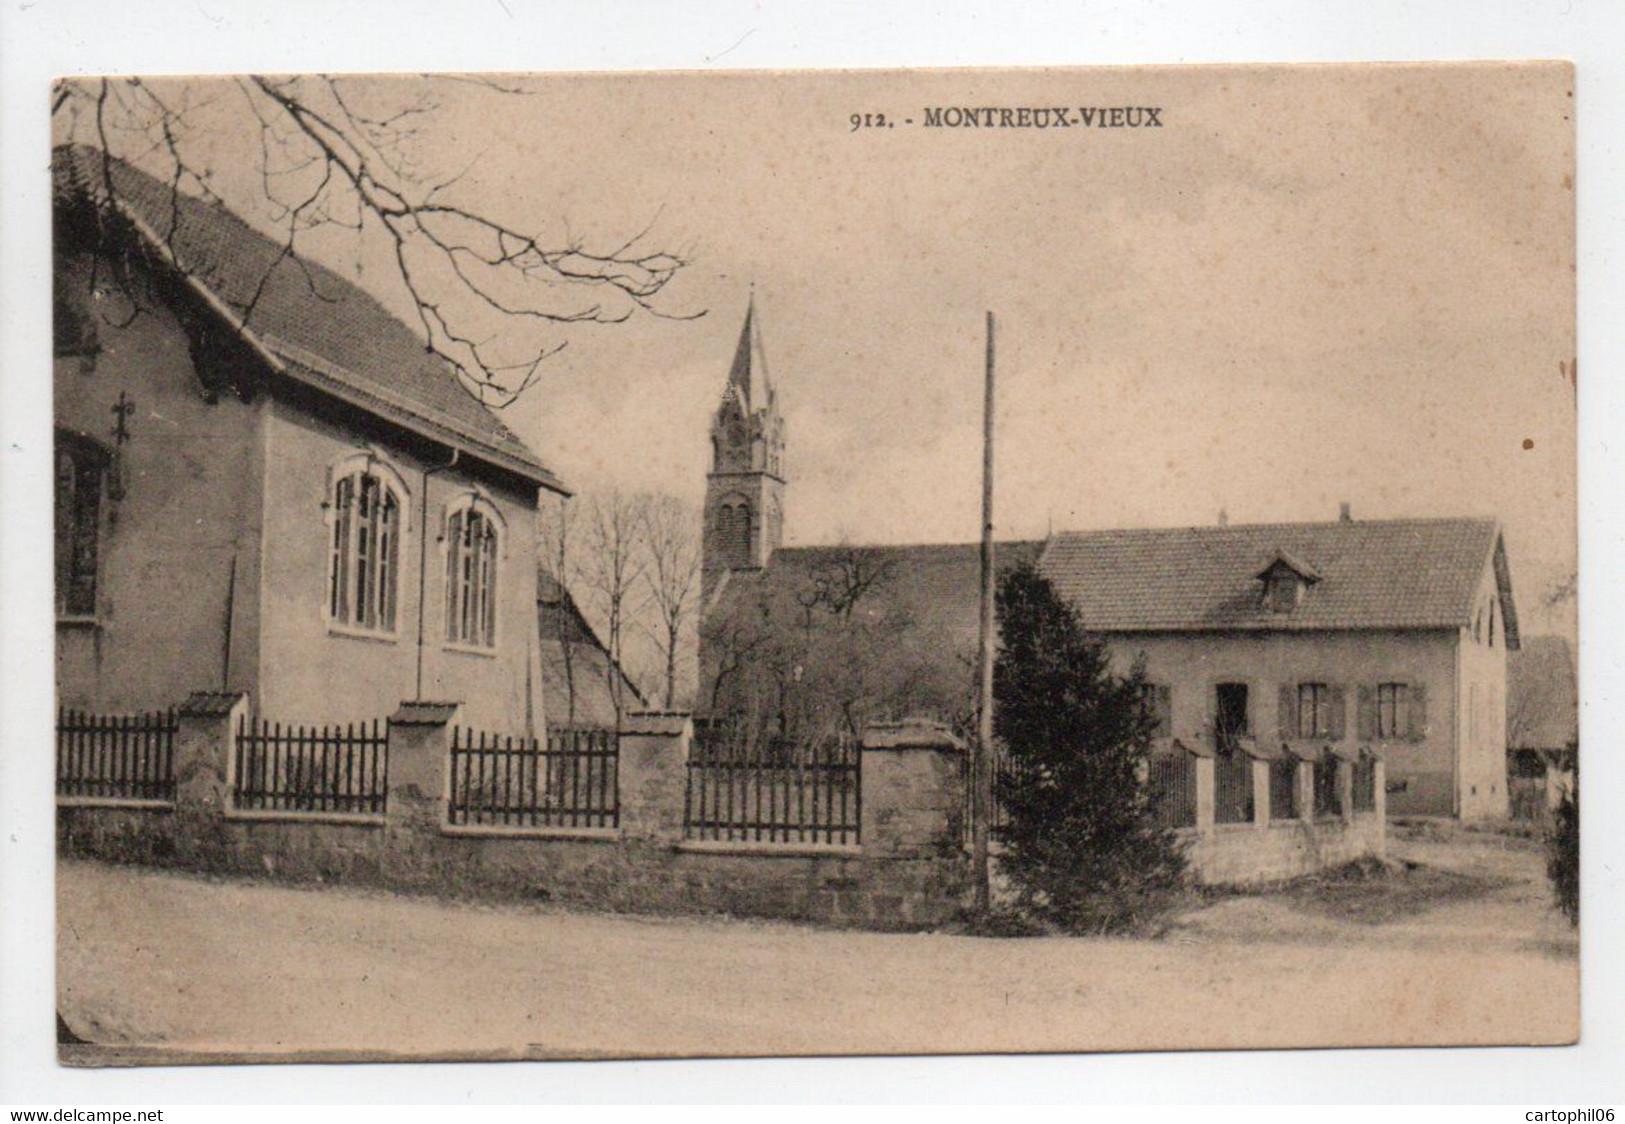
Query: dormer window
x=1286, y=581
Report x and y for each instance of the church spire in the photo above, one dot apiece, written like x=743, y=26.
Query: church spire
x=744, y=502
x=748, y=376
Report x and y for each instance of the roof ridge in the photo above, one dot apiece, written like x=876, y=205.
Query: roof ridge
x=189, y=221
x=1236, y=528
x=382, y=392
x=956, y=545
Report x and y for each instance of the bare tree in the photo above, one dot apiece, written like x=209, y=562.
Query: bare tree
x=814, y=660
x=613, y=563
x=488, y=297
x=836, y=584
x=671, y=538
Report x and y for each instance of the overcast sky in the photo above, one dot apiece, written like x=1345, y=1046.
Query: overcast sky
x=1308, y=286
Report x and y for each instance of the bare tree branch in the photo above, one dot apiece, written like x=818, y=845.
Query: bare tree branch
x=611, y=570
x=480, y=288
x=671, y=535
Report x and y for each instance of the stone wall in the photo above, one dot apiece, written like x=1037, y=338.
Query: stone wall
x=1242, y=854
x=910, y=870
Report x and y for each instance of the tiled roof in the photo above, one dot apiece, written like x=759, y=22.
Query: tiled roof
x=572, y=656
x=323, y=330
x=938, y=585
x=1420, y=573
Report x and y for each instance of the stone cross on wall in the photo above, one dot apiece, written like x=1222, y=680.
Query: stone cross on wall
x=121, y=410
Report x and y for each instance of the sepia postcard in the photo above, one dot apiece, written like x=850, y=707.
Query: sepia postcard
x=803, y=563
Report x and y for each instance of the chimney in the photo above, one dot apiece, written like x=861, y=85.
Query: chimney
x=1344, y=513
x=1224, y=517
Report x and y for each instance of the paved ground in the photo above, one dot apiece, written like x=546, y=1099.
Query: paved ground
x=152, y=965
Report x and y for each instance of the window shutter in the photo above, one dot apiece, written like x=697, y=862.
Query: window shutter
x=1286, y=712
x=1335, y=725
x=1418, y=707
x=1365, y=717
x=1165, y=710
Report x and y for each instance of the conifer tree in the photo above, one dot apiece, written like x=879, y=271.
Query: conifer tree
x=1082, y=845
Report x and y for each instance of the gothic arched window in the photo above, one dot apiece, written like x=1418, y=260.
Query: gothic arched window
x=364, y=554
x=471, y=578
x=81, y=465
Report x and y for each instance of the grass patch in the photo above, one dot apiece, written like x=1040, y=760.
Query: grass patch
x=1429, y=830
x=1369, y=892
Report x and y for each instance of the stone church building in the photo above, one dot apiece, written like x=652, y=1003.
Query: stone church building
x=265, y=485
x=1346, y=637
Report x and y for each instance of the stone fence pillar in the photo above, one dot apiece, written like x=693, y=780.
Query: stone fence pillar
x=1261, y=758
x=206, y=750
x=915, y=789
x=420, y=764
x=1379, y=780
x=1346, y=755
x=1207, y=794
x=1304, y=780
x=653, y=764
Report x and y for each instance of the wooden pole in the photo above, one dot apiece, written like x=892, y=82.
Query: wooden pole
x=982, y=762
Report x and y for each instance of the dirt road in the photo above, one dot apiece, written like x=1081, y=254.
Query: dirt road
x=1466, y=951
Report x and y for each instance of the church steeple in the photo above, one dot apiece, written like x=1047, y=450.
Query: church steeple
x=744, y=495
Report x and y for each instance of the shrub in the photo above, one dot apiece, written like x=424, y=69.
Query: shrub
x=1563, y=851
x=1081, y=843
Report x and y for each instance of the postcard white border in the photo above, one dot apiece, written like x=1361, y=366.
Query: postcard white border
x=44, y=39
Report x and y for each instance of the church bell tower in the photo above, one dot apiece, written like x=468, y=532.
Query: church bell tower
x=744, y=493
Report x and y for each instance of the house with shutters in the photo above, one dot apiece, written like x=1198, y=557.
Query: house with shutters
x=265, y=484
x=1346, y=639
x=1350, y=638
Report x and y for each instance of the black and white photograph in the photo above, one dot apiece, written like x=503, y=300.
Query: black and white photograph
x=576, y=566
x=837, y=554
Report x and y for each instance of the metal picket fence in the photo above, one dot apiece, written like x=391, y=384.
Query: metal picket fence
x=1173, y=789
x=116, y=757
x=570, y=781
x=774, y=792
x=340, y=769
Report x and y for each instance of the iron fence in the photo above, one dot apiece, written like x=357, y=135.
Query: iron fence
x=1365, y=785
x=1327, y=803
x=774, y=792
x=1173, y=789
x=1526, y=797
x=335, y=769
x=1004, y=777
x=571, y=781
x=116, y=757
x=1233, y=787
x=1284, y=789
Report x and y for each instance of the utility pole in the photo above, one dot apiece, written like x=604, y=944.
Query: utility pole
x=982, y=760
